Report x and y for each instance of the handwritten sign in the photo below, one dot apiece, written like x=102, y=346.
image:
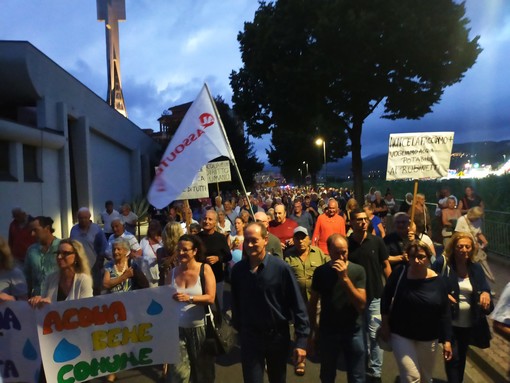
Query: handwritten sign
x=20, y=358
x=199, y=187
x=218, y=172
x=419, y=155
x=88, y=338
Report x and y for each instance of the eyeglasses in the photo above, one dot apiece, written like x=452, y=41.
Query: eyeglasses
x=65, y=254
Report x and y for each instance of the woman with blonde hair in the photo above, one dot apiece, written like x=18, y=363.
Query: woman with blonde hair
x=470, y=300
x=167, y=255
x=72, y=280
x=13, y=285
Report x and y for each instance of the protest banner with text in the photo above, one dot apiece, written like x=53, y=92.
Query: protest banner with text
x=419, y=155
x=88, y=338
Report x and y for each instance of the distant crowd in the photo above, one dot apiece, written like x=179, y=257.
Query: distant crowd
x=353, y=279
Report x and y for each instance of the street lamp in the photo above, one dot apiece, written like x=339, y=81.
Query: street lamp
x=300, y=175
x=319, y=142
x=306, y=163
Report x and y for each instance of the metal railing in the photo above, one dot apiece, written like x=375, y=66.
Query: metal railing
x=496, y=228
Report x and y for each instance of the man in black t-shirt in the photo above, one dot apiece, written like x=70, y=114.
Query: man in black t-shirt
x=370, y=252
x=340, y=285
x=216, y=251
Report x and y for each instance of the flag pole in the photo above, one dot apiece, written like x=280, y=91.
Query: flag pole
x=232, y=157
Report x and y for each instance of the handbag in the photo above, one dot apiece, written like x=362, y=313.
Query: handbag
x=383, y=344
x=220, y=336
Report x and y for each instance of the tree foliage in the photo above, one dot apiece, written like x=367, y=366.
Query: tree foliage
x=328, y=64
x=243, y=149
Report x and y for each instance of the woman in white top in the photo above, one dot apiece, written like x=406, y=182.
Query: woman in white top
x=224, y=226
x=150, y=244
x=72, y=280
x=194, y=363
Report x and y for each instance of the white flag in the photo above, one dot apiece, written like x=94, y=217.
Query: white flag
x=199, y=139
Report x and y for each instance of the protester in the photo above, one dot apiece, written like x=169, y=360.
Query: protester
x=327, y=224
x=128, y=218
x=265, y=298
x=41, y=259
x=20, y=236
x=376, y=225
x=193, y=294
x=421, y=215
x=302, y=217
x=449, y=216
x=120, y=232
x=282, y=226
x=167, y=255
x=274, y=246
x=470, y=298
x=470, y=200
x=107, y=216
x=13, y=285
x=416, y=315
x=223, y=226
x=236, y=241
x=340, y=287
x=150, y=245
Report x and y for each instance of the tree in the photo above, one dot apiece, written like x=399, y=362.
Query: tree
x=336, y=61
x=243, y=149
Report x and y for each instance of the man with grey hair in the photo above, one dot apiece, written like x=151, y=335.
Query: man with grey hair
x=274, y=246
x=91, y=236
x=120, y=232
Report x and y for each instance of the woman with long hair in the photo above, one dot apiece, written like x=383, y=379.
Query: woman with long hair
x=470, y=300
x=416, y=315
x=196, y=288
x=13, y=285
x=167, y=255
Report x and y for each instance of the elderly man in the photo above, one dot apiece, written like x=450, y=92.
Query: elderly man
x=328, y=223
x=120, y=232
x=128, y=218
x=340, y=286
x=91, y=236
x=265, y=298
x=282, y=227
x=302, y=217
x=107, y=217
x=217, y=252
x=370, y=252
x=274, y=246
x=304, y=258
x=20, y=236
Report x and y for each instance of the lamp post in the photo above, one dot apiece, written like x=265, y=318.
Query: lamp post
x=319, y=142
x=306, y=164
x=300, y=175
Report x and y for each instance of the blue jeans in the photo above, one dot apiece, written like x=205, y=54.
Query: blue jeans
x=372, y=323
x=351, y=347
x=261, y=347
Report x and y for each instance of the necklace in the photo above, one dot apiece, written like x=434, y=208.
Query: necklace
x=120, y=272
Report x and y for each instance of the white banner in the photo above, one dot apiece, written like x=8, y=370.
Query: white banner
x=199, y=139
x=20, y=356
x=199, y=188
x=419, y=155
x=218, y=171
x=92, y=337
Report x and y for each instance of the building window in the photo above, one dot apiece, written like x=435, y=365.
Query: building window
x=5, y=161
x=31, y=163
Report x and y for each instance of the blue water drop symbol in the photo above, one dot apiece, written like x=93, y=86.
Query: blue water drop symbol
x=154, y=308
x=29, y=351
x=65, y=352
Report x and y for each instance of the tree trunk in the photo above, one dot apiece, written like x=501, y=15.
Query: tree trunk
x=356, y=162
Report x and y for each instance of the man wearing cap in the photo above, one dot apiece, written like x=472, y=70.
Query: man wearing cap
x=274, y=246
x=282, y=226
x=304, y=259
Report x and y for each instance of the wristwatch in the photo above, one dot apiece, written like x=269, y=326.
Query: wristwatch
x=190, y=299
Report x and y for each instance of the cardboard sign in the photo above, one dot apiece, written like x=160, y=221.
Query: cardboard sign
x=87, y=338
x=199, y=187
x=218, y=172
x=419, y=155
x=20, y=357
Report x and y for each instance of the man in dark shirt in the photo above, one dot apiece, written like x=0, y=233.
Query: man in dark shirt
x=340, y=286
x=370, y=252
x=265, y=298
x=216, y=250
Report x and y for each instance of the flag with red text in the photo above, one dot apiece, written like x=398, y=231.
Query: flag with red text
x=199, y=139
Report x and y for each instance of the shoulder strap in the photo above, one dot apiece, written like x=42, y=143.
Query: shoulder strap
x=202, y=278
x=396, y=288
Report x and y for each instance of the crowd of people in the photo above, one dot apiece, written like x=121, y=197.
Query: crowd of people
x=348, y=277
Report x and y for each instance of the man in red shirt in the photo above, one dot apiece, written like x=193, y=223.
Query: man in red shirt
x=328, y=223
x=282, y=227
x=20, y=235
